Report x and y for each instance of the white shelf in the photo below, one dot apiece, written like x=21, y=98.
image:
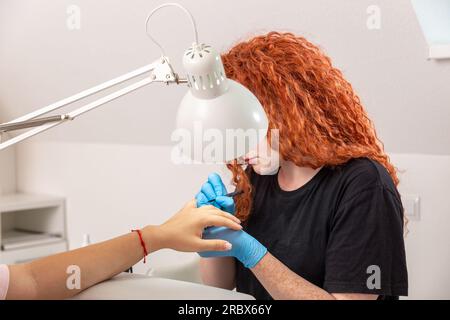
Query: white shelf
x=31, y=253
x=22, y=201
x=31, y=226
x=439, y=51
x=17, y=239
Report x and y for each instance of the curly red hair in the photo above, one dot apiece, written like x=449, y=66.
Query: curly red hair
x=320, y=119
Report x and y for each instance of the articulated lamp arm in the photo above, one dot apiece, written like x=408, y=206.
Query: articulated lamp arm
x=158, y=71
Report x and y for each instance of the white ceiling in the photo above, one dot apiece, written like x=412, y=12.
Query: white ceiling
x=42, y=61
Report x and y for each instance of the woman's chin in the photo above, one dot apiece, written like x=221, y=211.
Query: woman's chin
x=265, y=171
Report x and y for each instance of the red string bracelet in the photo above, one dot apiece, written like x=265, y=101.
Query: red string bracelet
x=142, y=243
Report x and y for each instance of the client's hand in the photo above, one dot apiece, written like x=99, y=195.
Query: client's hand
x=214, y=189
x=183, y=232
x=245, y=248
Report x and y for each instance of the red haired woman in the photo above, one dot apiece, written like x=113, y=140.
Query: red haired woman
x=326, y=222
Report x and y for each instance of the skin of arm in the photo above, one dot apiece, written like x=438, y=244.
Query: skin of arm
x=276, y=278
x=284, y=284
x=46, y=278
x=219, y=272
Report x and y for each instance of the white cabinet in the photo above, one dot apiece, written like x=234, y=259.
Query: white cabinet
x=31, y=227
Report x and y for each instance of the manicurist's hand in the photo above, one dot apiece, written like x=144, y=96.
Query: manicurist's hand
x=183, y=232
x=214, y=190
x=245, y=248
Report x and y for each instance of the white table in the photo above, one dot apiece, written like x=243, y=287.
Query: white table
x=139, y=287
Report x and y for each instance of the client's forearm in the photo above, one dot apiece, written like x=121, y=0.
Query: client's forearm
x=218, y=272
x=46, y=278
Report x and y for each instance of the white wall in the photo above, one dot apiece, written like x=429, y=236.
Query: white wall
x=7, y=161
x=428, y=240
x=7, y=170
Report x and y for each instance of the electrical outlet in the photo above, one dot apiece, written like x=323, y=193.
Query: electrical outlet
x=411, y=204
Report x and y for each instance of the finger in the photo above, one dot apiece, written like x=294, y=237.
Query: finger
x=228, y=216
x=214, y=245
x=217, y=184
x=201, y=200
x=208, y=191
x=227, y=203
x=210, y=209
x=206, y=210
x=219, y=221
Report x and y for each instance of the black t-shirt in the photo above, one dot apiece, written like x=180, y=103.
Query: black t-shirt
x=342, y=230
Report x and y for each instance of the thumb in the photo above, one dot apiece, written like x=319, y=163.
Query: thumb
x=214, y=245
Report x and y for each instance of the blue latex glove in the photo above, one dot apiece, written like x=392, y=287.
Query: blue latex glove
x=245, y=248
x=214, y=189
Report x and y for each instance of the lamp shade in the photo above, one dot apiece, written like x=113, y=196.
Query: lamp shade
x=221, y=113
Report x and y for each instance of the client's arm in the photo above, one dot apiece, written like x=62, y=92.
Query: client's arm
x=46, y=278
x=219, y=272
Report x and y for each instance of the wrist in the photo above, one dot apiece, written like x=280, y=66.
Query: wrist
x=153, y=239
x=254, y=252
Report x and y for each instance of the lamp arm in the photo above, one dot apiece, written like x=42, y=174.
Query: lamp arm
x=159, y=71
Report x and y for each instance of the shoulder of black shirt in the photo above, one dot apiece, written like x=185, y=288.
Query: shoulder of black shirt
x=366, y=173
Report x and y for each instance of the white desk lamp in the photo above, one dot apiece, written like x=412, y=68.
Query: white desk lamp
x=213, y=100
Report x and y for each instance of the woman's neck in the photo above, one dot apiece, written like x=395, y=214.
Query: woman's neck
x=292, y=177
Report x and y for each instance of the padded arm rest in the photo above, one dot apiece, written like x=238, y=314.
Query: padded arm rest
x=139, y=287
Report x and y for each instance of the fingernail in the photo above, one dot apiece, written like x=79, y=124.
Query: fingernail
x=228, y=246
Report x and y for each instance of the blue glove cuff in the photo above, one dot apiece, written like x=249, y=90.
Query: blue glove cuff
x=245, y=248
x=252, y=252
